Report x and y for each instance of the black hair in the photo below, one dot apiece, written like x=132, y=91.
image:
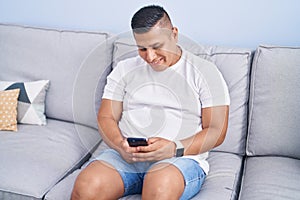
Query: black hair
x=147, y=17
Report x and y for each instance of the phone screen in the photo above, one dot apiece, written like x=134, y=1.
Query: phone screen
x=135, y=142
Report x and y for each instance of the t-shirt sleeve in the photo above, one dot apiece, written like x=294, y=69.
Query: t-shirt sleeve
x=213, y=90
x=115, y=86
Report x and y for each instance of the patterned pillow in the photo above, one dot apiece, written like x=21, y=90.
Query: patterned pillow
x=8, y=109
x=31, y=101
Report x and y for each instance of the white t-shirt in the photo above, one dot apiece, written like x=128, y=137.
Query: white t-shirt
x=168, y=103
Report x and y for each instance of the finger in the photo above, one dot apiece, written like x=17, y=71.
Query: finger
x=144, y=148
x=151, y=147
x=143, y=156
x=153, y=140
x=131, y=150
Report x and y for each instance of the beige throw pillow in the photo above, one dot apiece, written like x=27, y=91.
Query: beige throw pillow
x=8, y=109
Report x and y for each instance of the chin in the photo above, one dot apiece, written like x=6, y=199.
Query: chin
x=159, y=68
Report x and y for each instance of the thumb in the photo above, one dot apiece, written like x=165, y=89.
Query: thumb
x=153, y=140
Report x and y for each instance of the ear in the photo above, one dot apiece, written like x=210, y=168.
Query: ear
x=175, y=33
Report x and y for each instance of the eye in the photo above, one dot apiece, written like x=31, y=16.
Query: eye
x=142, y=49
x=157, y=46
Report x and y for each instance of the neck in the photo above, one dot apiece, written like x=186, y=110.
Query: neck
x=177, y=55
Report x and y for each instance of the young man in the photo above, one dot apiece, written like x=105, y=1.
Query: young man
x=178, y=101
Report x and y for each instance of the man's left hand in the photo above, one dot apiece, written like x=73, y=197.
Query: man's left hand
x=157, y=149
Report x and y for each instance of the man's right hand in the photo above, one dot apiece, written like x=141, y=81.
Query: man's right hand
x=126, y=151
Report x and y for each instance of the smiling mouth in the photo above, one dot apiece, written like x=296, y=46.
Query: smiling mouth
x=156, y=62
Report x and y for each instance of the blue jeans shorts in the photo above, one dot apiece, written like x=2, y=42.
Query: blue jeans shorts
x=133, y=173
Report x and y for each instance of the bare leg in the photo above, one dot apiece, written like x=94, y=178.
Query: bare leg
x=163, y=181
x=98, y=181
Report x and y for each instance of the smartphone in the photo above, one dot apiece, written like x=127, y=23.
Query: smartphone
x=135, y=142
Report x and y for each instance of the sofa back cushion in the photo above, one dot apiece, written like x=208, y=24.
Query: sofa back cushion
x=66, y=58
x=234, y=64
x=274, y=108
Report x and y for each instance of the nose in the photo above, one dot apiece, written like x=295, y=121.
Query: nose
x=151, y=55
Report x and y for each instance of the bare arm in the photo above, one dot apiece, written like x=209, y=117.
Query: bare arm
x=214, y=127
x=108, y=117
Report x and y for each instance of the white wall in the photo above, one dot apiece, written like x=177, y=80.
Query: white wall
x=237, y=23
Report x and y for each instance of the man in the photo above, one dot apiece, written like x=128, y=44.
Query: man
x=178, y=101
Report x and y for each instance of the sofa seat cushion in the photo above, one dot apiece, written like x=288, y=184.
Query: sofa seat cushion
x=35, y=158
x=221, y=183
x=271, y=178
x=223, y=179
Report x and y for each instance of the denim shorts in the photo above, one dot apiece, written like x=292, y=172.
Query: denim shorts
x=133, y=173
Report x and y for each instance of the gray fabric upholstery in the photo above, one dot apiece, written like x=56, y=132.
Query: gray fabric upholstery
x=42, y=162
x=274, y=107
x=66, y=58
x=221, y=183
x=271, y=178
x=36, y=157
x=234, y=64
x=64, y=188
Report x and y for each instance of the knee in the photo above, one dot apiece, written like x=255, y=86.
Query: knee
x=163, y=183
x=98, y=181
x=85, y=188
x=155, y=184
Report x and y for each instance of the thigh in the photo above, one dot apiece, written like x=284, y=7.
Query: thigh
x=131, y=174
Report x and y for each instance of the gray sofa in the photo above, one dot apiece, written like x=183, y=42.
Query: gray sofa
x=259, y=158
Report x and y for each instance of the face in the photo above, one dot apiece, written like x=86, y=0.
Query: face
x=158, y=47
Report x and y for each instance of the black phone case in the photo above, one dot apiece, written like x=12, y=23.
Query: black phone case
x=135, y=142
